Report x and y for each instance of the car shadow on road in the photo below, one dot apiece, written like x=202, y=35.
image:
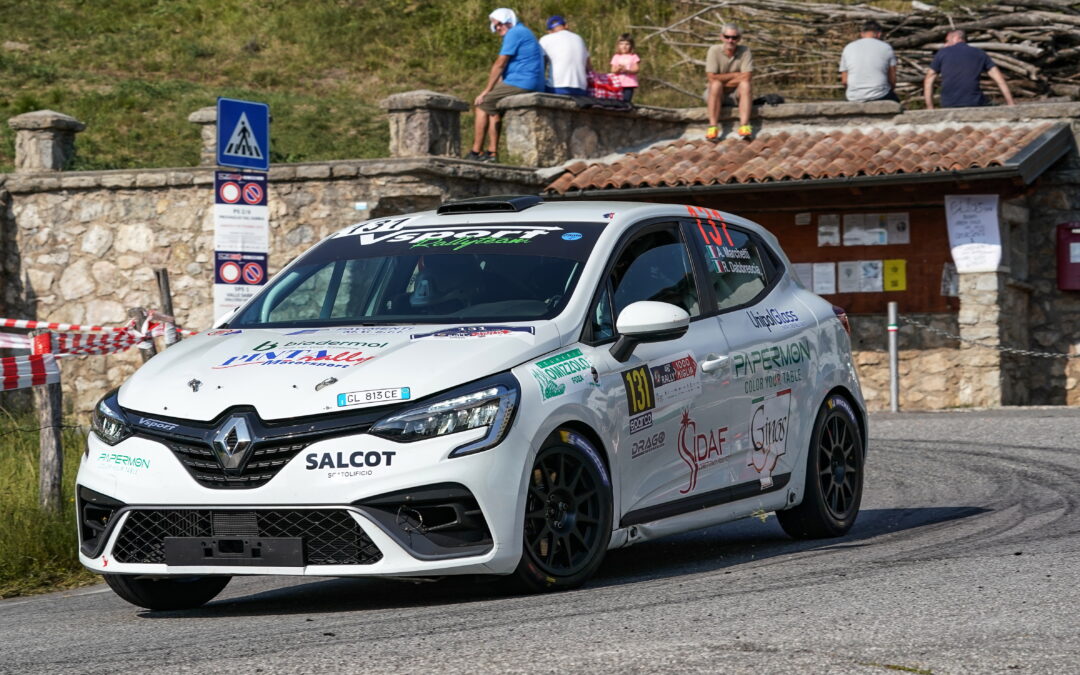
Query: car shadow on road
x=712, y=549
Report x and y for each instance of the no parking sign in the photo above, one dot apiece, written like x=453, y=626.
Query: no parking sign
x=238, y=276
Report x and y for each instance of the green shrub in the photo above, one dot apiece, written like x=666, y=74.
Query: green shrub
x=38, y=549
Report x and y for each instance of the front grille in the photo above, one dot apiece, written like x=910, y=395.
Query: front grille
x=331, y=536
x=264, y=464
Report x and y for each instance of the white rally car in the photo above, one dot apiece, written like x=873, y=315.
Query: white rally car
x=502, y=386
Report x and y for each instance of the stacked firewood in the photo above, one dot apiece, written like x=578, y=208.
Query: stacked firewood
x=797, y=44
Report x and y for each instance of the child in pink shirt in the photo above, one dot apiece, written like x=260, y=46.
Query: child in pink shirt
x=624, y=66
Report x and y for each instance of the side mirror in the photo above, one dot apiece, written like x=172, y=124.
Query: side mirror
x=648, y=321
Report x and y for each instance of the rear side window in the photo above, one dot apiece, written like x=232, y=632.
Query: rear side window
x=736, y=265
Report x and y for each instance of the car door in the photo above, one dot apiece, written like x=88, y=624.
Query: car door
x=769, y=333
x=672, y=433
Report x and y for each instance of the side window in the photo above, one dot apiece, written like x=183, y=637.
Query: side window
x=603, y=324
x=655, y=266
x=734, y=265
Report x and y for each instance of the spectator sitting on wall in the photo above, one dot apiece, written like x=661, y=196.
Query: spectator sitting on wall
x=868, y=67
x=518, y=69
x=568, y=57
x=960, y=66
x=729, y=65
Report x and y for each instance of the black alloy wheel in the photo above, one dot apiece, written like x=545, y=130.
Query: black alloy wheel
x=834, y=476
x=568, y=514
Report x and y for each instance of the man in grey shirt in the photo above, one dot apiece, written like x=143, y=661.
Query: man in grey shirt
x=868, y=67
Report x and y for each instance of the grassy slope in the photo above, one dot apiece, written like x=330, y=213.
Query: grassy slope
x=133, y=70
x=37, y=549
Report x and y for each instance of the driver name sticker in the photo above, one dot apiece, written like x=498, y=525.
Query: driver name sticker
x=373, y=396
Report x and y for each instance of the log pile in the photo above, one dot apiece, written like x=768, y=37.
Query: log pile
x=797, y=44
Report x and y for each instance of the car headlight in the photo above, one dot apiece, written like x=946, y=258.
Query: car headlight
x=489, y=403
x=108, y=421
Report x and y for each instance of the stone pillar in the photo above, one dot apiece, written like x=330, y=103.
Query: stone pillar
x=424, y=123
x=206, y=118
x=981, y=318
x=44, y=140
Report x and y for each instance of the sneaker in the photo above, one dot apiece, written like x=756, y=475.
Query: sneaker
x=489, y=156
x=712, y=134
x=745, y=132
x=476, y=156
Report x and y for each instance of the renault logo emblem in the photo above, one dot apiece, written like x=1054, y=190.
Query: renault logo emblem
x=232, y=443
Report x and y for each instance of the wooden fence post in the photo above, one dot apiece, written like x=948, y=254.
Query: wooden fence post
x=172, y=334
x=48, y=400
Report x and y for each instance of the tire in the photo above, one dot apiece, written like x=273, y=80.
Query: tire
x=568, y=514
x=174, y=593
x=834, y=476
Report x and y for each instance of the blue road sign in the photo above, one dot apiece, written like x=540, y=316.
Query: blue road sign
x=243, y=134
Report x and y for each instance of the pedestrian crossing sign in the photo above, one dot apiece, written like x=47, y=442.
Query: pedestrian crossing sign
x=243, y=134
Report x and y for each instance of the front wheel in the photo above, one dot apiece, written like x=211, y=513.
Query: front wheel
x=834, y=476
x=172, y=593
x=568, y=513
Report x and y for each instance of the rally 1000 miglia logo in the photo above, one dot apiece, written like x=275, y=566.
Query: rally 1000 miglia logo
x=699, y=450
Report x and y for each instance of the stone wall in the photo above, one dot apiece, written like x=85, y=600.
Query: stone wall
x=81, y=247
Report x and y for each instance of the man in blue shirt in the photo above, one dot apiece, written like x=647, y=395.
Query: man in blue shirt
x=520, y=67
x=960, y=66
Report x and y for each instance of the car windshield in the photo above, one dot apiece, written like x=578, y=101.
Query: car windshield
x=360, y=278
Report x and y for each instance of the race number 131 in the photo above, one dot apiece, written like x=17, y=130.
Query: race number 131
x=639, y=390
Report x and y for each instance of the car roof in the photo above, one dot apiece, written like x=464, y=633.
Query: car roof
x=614, y=213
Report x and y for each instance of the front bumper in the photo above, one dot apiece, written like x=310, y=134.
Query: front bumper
x=421, y=513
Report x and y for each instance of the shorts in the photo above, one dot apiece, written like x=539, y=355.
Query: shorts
x=498, y=93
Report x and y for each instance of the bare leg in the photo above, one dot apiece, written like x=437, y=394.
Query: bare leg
x=745, y=100
x=493, y=133
x=714, y=101
x=479, y=127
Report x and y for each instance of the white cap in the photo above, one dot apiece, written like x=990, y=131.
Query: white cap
x=503, y=15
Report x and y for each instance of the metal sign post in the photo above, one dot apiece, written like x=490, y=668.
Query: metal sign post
x=894, y=359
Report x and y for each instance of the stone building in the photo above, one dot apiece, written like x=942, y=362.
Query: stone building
x=83, y=246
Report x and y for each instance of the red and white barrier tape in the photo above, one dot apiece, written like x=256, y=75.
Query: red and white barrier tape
x=29, y=371
x=83, y=343
x=14, y=341
x=28, y=323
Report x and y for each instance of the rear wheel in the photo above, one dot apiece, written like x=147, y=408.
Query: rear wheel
x=568, y=513
x=171, y=593
x=834, y=476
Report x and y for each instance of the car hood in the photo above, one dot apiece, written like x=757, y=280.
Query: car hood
x=286, y=373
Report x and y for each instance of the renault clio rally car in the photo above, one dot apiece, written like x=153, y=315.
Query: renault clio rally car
x=501, y=386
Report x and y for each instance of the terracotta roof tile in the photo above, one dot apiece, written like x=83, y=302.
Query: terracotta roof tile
x=787, y=156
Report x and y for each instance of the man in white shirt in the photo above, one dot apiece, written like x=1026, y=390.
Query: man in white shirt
x=868, y=67
x=568, y=58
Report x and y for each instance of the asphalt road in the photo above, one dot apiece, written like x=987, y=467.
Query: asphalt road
x=964, y=559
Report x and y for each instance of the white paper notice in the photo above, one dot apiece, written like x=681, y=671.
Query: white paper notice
x=865, y=229
x=899, y=226
x=871, y=276
x=828, y=234
x=802, y=218
x=1074, y=252
x=804, y=271
x=973, y=232
x=228, y=297
x=241, y=227
x=824, y=278
x=850, y=276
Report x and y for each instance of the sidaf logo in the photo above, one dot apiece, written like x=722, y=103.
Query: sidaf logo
x=699, y=450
